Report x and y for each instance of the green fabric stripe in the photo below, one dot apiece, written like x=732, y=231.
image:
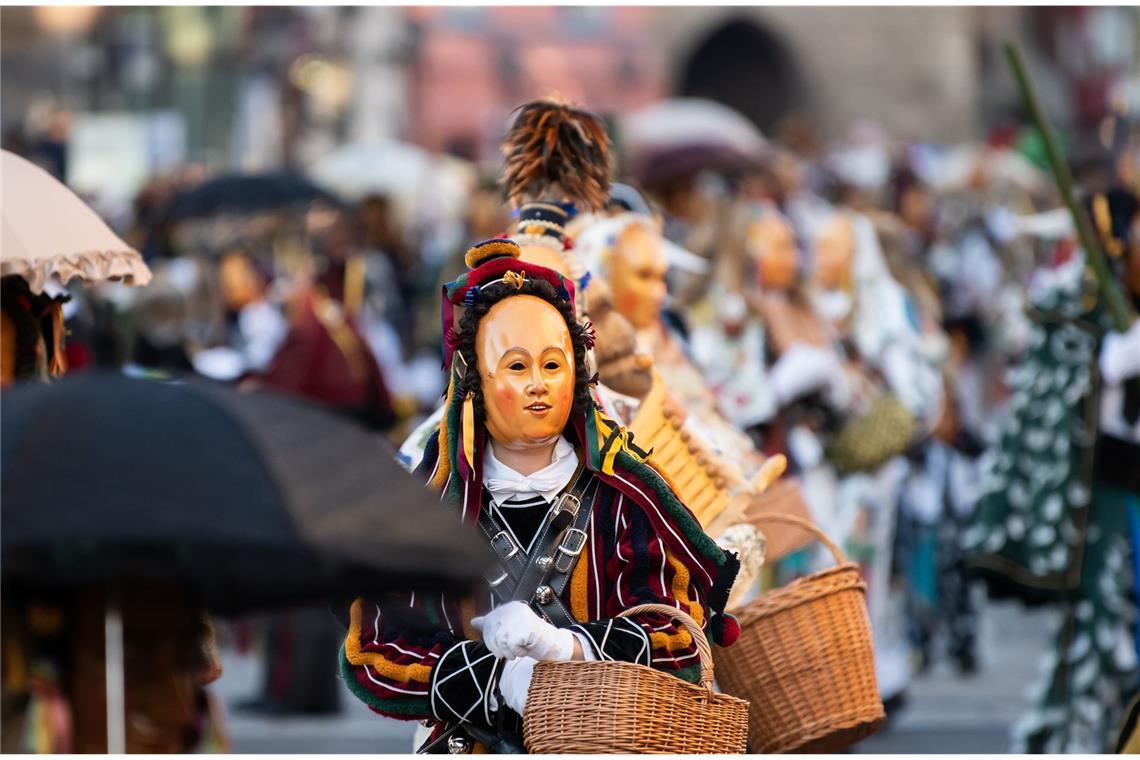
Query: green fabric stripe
x=692, y=674
x=412, y=707
x=593, y=452
x=456, y=284
x=430, y=610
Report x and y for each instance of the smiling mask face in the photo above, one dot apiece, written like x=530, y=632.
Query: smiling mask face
x=637, y=269
x=526, y=362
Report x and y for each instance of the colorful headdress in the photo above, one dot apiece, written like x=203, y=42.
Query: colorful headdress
x=543, y=224
x=552, y=144
x=491, y=262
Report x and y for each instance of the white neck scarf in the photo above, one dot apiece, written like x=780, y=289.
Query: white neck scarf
x=505, y=483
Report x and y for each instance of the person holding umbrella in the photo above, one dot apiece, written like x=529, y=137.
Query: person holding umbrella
x=583, y=527
x=39, y=256
x=53, y=696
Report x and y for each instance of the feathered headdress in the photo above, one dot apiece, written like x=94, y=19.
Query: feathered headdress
x=552, y=144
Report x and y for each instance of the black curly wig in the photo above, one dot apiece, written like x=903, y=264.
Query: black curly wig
x=471, y=382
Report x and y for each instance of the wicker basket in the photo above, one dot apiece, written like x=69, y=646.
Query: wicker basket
x=804, y=660
x=784, y=498
x=621, y=708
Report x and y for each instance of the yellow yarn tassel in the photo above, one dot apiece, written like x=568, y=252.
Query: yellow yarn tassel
x=443, y=466
x=469, y=430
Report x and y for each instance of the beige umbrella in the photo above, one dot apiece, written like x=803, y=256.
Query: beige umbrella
x=48, y=230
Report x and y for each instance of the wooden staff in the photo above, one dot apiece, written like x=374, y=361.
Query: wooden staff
x=1107, y=287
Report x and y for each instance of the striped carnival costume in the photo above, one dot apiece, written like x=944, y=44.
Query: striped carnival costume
x=593, y=533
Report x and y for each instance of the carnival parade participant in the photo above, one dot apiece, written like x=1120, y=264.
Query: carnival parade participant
x=1060, y=516
x=524, y=453
x=629, y=253
x=557, y=177
x=717, y=470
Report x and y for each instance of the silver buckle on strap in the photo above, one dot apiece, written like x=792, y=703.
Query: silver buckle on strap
x=573, y=542
x=570, y=547
x=504, y=545
x=568, y=502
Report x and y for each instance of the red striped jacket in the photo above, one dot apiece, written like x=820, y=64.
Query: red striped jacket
x=643, y=546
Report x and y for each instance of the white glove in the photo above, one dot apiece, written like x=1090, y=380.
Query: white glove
x=514, y=630
x=803, y=369
x=1120, y=355
x=514, y=683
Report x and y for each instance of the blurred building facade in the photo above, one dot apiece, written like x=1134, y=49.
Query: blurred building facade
x=934, y=72
x=258, y=87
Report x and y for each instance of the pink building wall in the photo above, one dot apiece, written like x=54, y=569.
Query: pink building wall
x=474, y=65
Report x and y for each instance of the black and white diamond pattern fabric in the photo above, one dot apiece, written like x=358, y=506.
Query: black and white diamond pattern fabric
x=463, y=683
x=617, y=639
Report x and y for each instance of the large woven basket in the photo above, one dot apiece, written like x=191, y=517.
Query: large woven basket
x=804, y=660
x=621, y=708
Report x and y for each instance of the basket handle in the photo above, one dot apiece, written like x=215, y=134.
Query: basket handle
x=690, y=625
x=807, y=525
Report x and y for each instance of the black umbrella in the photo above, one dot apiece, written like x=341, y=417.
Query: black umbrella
x=254, y=500
x=245, y=194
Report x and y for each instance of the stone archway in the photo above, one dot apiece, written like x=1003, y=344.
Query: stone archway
x=747, y=67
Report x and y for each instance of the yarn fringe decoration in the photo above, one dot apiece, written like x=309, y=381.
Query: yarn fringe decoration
x=553, y=144
x=443, y=466
x=590, y=335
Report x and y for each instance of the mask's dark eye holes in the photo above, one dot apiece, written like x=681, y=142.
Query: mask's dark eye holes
x=517, y=366
x=552, y=366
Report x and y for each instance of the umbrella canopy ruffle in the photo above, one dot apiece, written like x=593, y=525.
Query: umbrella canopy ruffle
x=89, y=266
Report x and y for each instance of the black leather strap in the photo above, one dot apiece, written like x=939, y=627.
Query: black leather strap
x=565, y=555
x=561, y=538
